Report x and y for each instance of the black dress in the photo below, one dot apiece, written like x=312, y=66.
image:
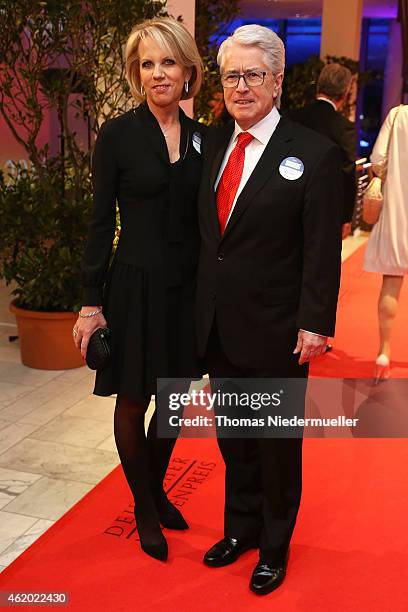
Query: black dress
x=148, y=290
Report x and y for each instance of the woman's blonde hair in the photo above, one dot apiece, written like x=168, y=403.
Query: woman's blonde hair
x=172, y=36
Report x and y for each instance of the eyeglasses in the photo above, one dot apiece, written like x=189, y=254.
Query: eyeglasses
x=253, y=78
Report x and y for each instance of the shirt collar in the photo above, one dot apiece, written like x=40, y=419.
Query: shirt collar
x=262, y=130
x=327, y=100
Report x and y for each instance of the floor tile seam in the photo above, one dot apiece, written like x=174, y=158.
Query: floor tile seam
x=25, y=534
x=51, y=442
x=42, y=405
x=24, y=395
x=88, y=485
x=68, y=443
x=18, y=441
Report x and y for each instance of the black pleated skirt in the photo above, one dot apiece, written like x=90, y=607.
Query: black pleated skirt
x=152, y=332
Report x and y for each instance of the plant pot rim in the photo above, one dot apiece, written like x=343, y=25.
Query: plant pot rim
x=40, y=314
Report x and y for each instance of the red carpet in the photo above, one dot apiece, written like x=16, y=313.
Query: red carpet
x=349, y=551
x=356, y=342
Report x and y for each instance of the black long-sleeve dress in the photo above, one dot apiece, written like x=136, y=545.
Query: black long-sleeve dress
x=147, y=290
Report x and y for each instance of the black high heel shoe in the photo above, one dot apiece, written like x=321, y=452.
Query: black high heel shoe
x=169, y=516
x=157, y=547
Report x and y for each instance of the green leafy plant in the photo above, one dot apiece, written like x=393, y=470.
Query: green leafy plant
x=213, y=20
x=61, y=58
x=42, y=236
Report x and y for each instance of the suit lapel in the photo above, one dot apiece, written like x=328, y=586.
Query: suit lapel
x=276, y=150
x=223, y=141
x=221, y=145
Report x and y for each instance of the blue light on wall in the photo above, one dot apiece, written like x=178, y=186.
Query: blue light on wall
x=301, y=36
x=302, y=39
x=373, y=58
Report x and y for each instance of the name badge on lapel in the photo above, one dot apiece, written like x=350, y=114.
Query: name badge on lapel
x=197, y=141
x=291, y=168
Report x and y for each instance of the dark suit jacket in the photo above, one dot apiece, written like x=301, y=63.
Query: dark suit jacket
x=321, y=117
x=277, y=267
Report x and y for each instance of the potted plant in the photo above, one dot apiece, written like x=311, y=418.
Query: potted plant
x=42, y=238
x=61, y=63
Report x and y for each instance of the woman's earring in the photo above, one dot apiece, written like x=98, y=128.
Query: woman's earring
x=142, y=90
x=186, y=86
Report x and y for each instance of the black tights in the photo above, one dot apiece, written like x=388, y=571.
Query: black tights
x=160, y=450
x=144, y=461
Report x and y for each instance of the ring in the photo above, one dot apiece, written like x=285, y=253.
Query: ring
x=75, y=332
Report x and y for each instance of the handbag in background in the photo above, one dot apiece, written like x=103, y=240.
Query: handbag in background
x=373, y=196
x=372, y=201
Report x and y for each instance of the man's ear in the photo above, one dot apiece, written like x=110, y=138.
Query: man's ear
x=277, y=86
x=341, y=101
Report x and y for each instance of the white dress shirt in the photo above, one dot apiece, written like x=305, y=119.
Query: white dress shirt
x=327, y=100
x=262, y=132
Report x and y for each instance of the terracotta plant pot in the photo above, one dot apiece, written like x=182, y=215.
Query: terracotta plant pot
x=46, y=339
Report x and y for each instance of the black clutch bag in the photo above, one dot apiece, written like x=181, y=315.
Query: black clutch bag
x=98, y=351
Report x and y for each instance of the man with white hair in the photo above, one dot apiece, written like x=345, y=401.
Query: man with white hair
x=267, y=283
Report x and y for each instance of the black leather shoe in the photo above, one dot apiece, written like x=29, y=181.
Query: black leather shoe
x=267, y=577
x=226, y=551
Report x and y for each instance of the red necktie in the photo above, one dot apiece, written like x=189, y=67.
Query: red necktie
x=231, y=178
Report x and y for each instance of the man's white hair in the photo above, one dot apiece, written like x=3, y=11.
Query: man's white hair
x=265, y=39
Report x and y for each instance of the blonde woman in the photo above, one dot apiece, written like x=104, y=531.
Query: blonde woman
x=149, y=161
x=387, y=249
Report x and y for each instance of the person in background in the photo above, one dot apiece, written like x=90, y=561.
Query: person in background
x=324, y=116
x=148, y=160
x=267, y=285
x=387, y=248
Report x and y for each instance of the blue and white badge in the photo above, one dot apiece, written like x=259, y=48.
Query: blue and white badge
x=197, y=141
x=291, y=168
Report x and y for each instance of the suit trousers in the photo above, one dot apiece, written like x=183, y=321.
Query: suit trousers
x=263, y=480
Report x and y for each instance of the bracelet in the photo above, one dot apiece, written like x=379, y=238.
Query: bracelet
x=90, y=314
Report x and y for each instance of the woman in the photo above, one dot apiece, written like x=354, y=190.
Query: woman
x=148, y=159
x=387, y=249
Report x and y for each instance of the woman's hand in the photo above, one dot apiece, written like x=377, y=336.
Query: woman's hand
x=85, y=327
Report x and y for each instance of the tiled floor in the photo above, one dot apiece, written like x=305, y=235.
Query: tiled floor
x=56, y=439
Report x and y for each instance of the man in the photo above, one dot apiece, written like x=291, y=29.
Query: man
x=323, y=116
x=269, y=269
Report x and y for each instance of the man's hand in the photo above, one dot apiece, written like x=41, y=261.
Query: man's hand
x=345, y=230
x=309, y=346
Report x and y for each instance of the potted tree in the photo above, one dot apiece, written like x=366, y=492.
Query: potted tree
x=61, y=63
x=42, y=237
